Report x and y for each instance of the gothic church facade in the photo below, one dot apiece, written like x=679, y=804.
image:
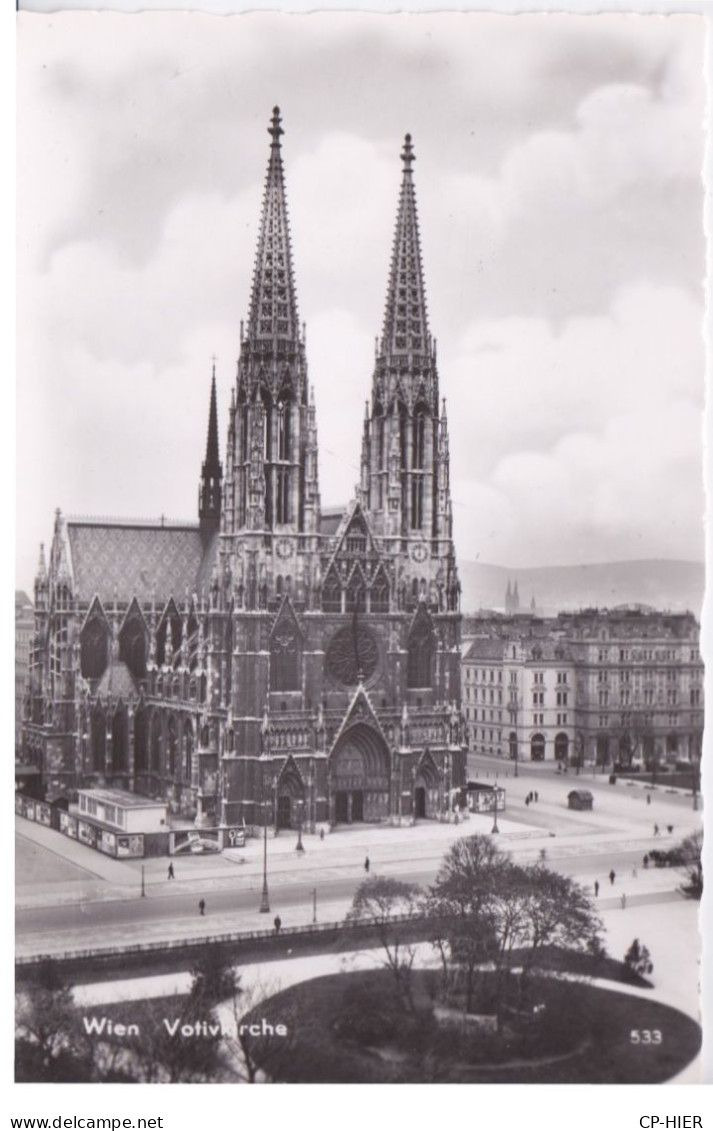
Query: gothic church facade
x=272, y=664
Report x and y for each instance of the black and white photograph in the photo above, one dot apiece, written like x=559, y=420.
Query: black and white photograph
x=360, y=550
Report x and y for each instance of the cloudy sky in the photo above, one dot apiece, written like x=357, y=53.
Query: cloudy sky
x=558, y=176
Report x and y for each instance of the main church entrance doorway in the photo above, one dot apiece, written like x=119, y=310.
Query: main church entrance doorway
x=359, y=771
x=348, y=806
x=284, y=812
x=420, y=801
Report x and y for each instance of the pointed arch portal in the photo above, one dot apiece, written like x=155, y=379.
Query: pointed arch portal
x=360, y=771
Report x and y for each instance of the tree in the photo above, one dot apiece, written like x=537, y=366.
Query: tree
x=50, y=1042
x=214, y=976
x=556, y=912
x=638, y=959
x=505, y=914
x=461, y=904
x=270, y=1050
x=387, y=904
x=691, y=854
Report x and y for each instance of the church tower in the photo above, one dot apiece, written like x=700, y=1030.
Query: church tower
x=271, y=510
x=405, y=478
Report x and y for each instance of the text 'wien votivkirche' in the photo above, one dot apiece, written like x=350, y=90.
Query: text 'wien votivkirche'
x=273, y=662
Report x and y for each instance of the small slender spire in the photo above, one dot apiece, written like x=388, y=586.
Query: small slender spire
x=212, y=450
x=273, y=303
x=405, y=319
x=211, y=486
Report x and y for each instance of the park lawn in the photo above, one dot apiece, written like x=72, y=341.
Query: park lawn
x=587, y=1037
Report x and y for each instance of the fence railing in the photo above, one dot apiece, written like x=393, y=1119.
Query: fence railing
x=226, y=938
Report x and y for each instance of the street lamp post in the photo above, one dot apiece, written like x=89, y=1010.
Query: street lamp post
x=264, y=899
x=299, y=847
x=314, y=905
x=495, y=828
x=143, y=882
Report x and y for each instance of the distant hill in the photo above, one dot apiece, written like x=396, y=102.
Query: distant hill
x=673, y=585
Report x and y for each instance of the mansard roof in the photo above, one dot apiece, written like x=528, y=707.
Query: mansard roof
x=144, y=560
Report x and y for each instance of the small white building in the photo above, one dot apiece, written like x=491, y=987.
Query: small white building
x=128, y=812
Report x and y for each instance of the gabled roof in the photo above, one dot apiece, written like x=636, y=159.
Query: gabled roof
x=142, y=561
x=354, y=515
x=360, y=710
x=117, y=681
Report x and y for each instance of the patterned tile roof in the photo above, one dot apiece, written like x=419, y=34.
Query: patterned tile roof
x=133, y=561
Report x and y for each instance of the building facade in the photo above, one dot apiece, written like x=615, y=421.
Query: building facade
x=24, y=630
x=621, y=686
x=273, y=663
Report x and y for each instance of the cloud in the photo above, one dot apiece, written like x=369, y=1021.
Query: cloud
x=558, y=179
x=585, y=444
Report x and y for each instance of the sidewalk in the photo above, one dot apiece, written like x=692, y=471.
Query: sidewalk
x=398, y=851
x=658, y=889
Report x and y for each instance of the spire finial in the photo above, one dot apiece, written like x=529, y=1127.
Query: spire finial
x=407, y=154
x=275, y=130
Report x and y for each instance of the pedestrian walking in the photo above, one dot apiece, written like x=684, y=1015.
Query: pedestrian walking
x=646, y=859
x=648, y=798
x=367, y=865
x=170, y=872
x=201, y=906
x=670, y=830
x=623, y=901
x=596, y=887
x=612, y=876
x=537, y=796
x=634, y=872
x=278, y=923
x=656, y=830
x=321, y=834
x=527, y=799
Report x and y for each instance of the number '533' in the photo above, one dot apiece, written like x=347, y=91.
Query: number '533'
x=645, y=1037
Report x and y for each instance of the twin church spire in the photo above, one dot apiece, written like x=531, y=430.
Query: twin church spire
x=271, y=459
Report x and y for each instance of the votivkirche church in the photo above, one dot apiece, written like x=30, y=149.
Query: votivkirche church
x=272, y=663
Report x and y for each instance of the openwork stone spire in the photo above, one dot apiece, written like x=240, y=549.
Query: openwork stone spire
x=211, y=485
x=273, y=304
x=405, y=320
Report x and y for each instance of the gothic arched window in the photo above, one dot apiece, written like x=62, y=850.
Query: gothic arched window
x=419, y=440
x=332, y=594
x=356, y=593
x=419, y=664
x=98, y=740
x=172, y=742
x=187, y=751
x=285, y=659
x=141, y=760
x=132, y=647
x=283, y=430
x=379, y=595
x=95, y=648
